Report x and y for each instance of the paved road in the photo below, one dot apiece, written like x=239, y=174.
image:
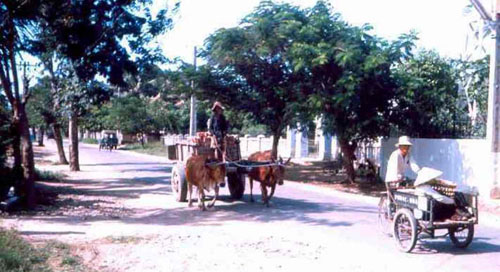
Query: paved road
x=306, y=228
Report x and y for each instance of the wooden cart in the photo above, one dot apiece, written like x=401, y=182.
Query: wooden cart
x=181, y=151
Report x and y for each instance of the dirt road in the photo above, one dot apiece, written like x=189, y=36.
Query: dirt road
x=119, y=215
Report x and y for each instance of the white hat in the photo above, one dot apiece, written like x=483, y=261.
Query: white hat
x=427, y=174
x=403, y=140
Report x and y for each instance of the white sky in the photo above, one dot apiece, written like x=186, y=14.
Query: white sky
x=441, y=24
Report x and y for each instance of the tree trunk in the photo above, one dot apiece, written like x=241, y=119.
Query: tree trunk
x=276, y=141
x=56, y=128
x=27, y=156
x=16, y=152
x=40, y=135
x=74, y=164
x=348, y=158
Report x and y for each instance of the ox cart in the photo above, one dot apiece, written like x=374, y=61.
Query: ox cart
x=182, y=150
x=410, y=216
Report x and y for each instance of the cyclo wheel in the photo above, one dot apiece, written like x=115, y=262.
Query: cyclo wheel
x=461, y=238
x=178, y=183
x=384, y=218
x=405, y=230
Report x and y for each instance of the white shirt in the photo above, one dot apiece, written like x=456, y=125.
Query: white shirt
x=397, y=166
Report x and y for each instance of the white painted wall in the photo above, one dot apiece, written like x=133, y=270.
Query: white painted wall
x=464, y=161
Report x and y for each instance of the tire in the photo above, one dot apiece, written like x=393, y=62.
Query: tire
x=178, y=183
x=384, y=220
x=236, y=185
x=405, y=230
x=463, y=238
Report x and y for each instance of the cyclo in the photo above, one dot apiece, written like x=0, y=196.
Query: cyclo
x=410, y=216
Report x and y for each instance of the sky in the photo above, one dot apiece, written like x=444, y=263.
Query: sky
x=441, y=24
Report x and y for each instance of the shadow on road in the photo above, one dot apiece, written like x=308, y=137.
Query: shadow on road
x=478, y=246
x=282, y=210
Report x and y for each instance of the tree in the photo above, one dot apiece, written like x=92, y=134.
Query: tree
x=428, y=100
x=349, y=77
x=5, y=136
x=473, y=84
x=250, y=64
x=39, y=107
x=98, y=37
x=128, y=114
x=17, y=20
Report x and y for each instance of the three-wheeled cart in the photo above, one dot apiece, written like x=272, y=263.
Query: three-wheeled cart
x=409, y=216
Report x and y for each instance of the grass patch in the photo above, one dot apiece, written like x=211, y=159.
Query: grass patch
x=17, y=255
x=90, y=141
x=45, y=175
x=151, y=148
x=61, y=258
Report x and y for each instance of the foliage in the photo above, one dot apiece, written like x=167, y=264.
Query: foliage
x=151, y=148
x=249, y=68
x=45, y=175
x=90, y=141
x=348, y=78
x=5, y=136
x=17, y=255
x=40, y=107
x=428, y=100
x=473, y=82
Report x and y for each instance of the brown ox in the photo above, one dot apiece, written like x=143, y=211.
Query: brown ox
x=203, y=175
x=268, y=176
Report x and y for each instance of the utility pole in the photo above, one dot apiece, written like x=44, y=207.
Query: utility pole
x=192, y=113
x=493, y=122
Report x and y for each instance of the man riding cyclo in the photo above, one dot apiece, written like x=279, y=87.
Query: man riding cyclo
x=445, y=207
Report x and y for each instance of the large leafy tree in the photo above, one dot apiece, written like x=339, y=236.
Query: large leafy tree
x=428, y=101
x=349, y=77
x=249, y=68
x=110, y=38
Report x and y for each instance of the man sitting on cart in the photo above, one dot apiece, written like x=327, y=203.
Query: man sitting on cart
x=218, y=126
x=399, y=161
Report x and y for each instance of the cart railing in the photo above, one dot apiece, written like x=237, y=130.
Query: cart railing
x=423, y=206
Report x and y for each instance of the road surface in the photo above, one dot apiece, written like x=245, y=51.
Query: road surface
x=307, y=228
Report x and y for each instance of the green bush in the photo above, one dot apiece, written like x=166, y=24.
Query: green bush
x=48, y=175
x=17, y=255
x=90, y=141
x=152, y=148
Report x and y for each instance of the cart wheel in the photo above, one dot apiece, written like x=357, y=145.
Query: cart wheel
x=178, y=183
x=384, y=218
x=236, y=184
x=405, y=230
x=461, y=238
